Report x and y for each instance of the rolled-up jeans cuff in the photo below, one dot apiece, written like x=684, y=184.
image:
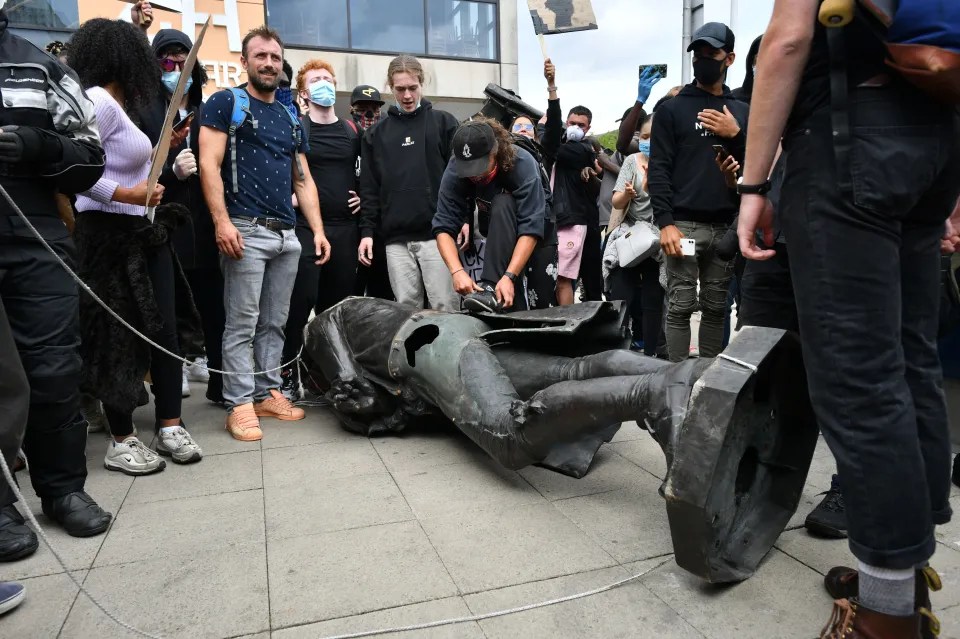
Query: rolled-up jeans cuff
x=898, y=559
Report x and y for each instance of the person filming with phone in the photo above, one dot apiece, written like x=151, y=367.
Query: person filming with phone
x=692, y=204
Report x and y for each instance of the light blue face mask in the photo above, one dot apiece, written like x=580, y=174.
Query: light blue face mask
x=644, y=147
x=323, y=92
x=170, y=79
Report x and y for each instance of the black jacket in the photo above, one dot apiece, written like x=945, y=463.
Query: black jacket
x=574, y=202
x=44, y=98
x=194, y=242
x=458, y=196
x=402, y=161
x=684, y=180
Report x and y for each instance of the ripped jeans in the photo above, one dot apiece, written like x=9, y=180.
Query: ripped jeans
x=714, y=275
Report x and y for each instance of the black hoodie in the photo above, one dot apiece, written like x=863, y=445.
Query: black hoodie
x=684, y=181
x=403, y=158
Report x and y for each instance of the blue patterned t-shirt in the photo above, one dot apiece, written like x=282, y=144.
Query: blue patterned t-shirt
x=265, y=147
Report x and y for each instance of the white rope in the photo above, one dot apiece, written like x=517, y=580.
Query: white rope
x=740, y=362
x=113, y=313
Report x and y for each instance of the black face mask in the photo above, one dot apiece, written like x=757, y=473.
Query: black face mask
x=708, y=71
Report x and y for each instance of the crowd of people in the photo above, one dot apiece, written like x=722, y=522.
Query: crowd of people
x=271, y=208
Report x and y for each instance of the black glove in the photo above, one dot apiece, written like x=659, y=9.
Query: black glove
x=27, y=144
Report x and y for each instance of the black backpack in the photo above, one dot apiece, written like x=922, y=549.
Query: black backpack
x=533, y=148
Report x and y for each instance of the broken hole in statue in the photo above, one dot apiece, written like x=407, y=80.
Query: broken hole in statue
x=418, y=339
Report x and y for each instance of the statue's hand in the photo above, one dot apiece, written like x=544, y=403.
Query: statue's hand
x=353, y=395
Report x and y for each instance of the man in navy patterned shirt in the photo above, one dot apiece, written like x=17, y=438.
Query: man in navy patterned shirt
x=248, y=192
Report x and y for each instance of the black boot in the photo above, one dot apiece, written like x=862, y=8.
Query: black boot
x=956, y=471
x=16, y=539
x=829, y=518
x=79, y=515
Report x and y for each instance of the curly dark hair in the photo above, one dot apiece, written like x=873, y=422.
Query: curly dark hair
x=104, y=51
x=506, y=152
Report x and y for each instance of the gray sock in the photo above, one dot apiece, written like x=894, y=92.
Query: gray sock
x=887, y=591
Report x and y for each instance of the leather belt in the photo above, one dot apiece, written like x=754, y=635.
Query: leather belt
x=270, y=223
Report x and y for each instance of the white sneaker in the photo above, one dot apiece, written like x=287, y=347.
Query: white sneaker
x=185, y=387
x=131, y=457
x=197, y=371
x=178, y=446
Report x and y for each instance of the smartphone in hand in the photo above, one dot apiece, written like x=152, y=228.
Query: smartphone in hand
x=718, y=149
x=185, y=122
x=662, y=68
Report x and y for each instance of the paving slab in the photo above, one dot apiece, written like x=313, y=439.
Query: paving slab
x=628, y=611
x=608, y=473
x=416, y=451
x=629, y=431
x=204, y=420
x=449, y=608
x=327, y=505
x=196, y=595
x=212, y=475
x=784, y=599
x=629, y=524
x=45, y=606
x=949, y=533
x=460, y=488
x=318, y=427
x=177, y=529
x=289, y=466
x=78, y=553
x=351, y=572
x=645, y=453
x=508, y=546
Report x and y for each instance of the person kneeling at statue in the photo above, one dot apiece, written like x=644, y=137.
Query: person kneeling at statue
x=504, y=182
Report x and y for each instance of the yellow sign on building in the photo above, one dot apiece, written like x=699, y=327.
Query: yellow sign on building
x=220, y=54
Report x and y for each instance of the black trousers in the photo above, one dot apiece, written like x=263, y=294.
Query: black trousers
x=165, y=371
x=207, y=287
x=14, y=395
x=591, y=265
x=317, y=288
x=374, y=280
x=540, y=273
x=766, y=293
x=42, y=307
x=866, y=273
x=640, y=287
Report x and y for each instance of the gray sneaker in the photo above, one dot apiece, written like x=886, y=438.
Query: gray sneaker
x=131, y=457
x=178, y=446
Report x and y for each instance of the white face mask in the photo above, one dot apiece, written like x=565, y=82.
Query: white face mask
x=574, y=133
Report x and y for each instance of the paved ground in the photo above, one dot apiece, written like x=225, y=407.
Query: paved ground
x=314, y=532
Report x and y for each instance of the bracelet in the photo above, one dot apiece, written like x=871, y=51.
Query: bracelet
x=457, y=271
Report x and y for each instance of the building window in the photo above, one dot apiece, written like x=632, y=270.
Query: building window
x=44, y=14
x=443, y=28
x=387, y=25
x=462, y=29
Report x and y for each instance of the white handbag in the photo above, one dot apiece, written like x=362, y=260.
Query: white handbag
x=637, y=244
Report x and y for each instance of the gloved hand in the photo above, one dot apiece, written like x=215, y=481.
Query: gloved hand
x=648, y=78
x=185, y=164
x=26, y=144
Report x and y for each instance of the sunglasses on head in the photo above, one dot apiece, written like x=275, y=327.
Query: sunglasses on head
x=169, y=64
x=520, y=126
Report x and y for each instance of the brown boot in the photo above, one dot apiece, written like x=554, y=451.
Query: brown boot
x=850, y=620
x=842, y=582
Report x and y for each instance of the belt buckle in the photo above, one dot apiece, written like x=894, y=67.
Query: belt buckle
x=272, y=224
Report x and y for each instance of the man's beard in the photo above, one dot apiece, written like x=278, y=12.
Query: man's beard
x=262, y=84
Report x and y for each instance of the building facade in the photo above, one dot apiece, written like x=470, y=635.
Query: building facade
x=464, y=44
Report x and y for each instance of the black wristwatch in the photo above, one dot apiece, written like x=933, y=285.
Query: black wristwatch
x=510, y=276
x=753, y=189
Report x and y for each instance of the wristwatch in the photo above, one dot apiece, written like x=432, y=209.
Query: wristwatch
x=510, y=276
x=753, y=189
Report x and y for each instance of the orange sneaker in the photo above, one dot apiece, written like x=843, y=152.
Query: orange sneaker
x=278, y=407
x=243, y=424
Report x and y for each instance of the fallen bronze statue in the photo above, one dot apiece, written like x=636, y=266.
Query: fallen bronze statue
x=549, y=387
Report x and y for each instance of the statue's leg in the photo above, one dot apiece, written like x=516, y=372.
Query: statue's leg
x=531, y=372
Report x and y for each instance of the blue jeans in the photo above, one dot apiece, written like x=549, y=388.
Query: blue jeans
x=256, y=298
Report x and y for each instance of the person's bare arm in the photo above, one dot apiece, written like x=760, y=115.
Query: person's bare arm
x=785, y=49
x=213, y=146
x=629, y=126
x=462, y=282
x=306, y=191
x=622, y=199
x=505, y=290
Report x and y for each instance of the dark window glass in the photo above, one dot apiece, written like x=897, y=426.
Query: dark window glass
x=309, y=23
x=462, y=29
x=50, y=14
x=387, y=25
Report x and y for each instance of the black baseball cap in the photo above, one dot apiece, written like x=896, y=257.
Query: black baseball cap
x=472, y=145
x=365, y=93
x=716, y=34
